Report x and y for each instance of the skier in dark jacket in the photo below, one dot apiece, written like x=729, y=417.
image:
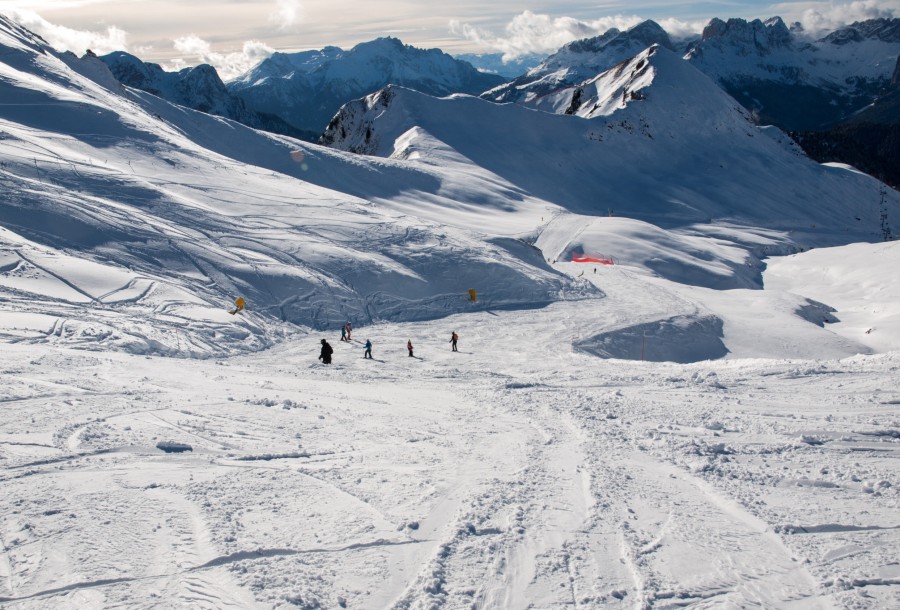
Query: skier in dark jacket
x=325, y=355
x=453, y=339
x=368, y=353
x=409, y=347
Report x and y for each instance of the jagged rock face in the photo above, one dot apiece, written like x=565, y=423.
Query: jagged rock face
x=793, y=82
x=749, y=37
x=351, y=128
x=895, y=79
x=581, y=60
x=307, y=89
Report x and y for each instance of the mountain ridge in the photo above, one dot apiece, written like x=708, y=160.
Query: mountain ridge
x=309, y=96
x=198, y=87
x=674, y=118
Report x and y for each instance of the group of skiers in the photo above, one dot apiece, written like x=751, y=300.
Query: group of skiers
x=346, y=329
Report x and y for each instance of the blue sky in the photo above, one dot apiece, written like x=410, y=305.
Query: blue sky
x=235, y=34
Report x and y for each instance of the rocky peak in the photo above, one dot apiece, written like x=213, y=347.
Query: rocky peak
x=352, y=128
x=752, y=35
x=203, y=76
x=649, y=33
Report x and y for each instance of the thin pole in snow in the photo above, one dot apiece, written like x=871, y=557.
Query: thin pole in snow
x=643, y=344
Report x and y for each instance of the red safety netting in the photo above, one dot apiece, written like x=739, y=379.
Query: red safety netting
x=603, y=260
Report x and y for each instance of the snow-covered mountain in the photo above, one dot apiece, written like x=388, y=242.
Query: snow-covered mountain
x=780, y=74
x=794, y=82
x=198, y=87
x=306, y=89
x=652, y=139
x=137, y=221
x=160, y=215
x=579, y=61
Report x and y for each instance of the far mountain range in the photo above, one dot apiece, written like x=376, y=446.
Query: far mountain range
x=837, y=95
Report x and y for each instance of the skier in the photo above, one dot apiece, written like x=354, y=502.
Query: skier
x=453, y=339
x=349, y=330
x=343, y=333
x=325, y=355
x=368, y=353
x=409, y=347
x=238, y=305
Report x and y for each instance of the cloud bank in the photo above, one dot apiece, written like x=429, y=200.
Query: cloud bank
x=530, y=32
x=828, y=18
x=277, y=25
x=195, y=50
x=538, y=33
x=67, y=39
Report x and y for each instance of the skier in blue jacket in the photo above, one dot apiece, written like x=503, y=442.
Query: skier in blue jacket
x=368, y=353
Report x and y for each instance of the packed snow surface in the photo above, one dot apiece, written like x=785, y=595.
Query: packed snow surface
x=521, y=471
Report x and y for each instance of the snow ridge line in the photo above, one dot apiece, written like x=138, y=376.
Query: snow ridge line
x=213, y=563
x=57, y=276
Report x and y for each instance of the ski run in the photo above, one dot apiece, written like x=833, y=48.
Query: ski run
x=709, y=422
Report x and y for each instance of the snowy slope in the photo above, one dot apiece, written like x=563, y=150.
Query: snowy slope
x=675, y=151
x=188, y=204
x=862, y=294
x=661, y=433
x=177, y=202
x=515, y=473
x=659, y=171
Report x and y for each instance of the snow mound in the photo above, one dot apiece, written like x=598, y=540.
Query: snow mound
x=681, y=339
x=854, y=282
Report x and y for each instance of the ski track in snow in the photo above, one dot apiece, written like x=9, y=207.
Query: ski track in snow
x=518, y=473
x=491, y=478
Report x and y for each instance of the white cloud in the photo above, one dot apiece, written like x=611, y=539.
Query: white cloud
x=62, y=38
x=530, y=32
x=228, y=65
x=832, y=16
x=537, y=33
x=192, y=45
x=287, y=13
x=682, y=29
